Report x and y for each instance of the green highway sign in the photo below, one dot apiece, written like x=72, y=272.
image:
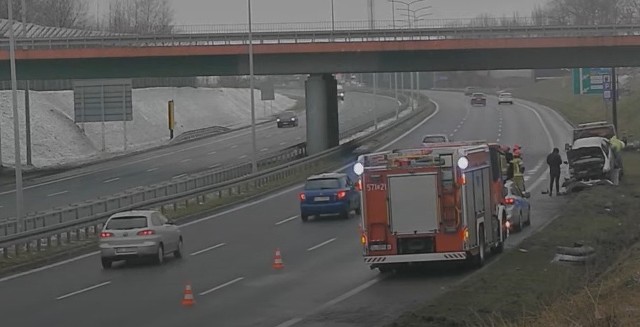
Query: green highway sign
x=590, y=80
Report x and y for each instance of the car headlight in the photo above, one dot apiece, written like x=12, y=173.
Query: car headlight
x=278, y=120
x=293, y=119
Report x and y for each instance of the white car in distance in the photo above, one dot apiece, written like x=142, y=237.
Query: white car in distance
x=506, y=98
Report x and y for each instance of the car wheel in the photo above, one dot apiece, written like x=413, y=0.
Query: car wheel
x=528, y=223
x=159, y=257
x=304, y=218
x=520, y=222
x=279, y=125
x=479, y=259
x=106, y=263
x=178, y=252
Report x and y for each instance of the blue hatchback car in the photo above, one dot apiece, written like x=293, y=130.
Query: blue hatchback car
x=329, y=194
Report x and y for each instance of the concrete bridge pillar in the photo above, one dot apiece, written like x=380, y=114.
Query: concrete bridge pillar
x=323, y=130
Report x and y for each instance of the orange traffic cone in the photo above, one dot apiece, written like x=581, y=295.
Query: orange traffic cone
x=188, y=299
x=277, y=260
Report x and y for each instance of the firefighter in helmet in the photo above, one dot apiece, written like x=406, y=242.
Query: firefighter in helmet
x=517, y=167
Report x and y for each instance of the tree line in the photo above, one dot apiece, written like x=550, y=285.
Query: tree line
x=120, y=16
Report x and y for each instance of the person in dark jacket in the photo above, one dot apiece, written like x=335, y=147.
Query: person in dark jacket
x=554, y=161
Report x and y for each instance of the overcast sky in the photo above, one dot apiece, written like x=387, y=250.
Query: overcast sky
x=273, y=11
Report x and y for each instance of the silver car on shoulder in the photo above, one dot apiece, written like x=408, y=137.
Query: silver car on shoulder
x=135, y=234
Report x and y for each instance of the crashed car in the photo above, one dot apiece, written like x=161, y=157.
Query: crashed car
x=591, y=162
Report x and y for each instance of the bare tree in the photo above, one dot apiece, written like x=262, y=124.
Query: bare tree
x=54, y=13
x=140, y=16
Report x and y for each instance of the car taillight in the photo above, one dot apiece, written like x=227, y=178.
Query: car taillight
x=509, y=201
x=341, y=195
x=302, y=197
x=106, y=235
x=146, y=232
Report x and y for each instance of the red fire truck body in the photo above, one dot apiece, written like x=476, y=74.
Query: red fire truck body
x=437, y=203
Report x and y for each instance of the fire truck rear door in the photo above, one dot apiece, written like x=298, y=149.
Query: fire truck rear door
x=413, y=203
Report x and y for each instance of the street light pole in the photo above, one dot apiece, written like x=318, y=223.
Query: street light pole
x=254, y=157
x=333, y=17
x=16, y=120
x=27, y=101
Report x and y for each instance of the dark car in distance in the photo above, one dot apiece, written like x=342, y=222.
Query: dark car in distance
x=287, y=118
x=478, y=99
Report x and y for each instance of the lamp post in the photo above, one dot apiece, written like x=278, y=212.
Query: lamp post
x=333, y=17
x=254, y=157
x=16, y=122
x=408, y=4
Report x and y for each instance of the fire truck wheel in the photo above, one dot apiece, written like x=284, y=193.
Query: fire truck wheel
x=479, y=259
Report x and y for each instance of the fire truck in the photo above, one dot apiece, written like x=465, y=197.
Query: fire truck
x=443, y=202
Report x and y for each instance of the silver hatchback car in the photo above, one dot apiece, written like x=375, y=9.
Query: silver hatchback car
x=135, y=234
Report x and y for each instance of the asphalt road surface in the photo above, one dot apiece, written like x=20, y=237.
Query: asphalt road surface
x=163, y=164
x=229, y=255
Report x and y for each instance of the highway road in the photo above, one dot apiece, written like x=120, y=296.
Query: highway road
x=229, y=254
x=163, y=164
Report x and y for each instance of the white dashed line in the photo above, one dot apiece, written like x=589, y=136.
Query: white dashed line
x=111, y=180
x=152, y=169
x=283, y=143
x=57, y=193
x=321, y=244
x=221, y=286
x=498, y=140
x=185, y=160
x=243, y=156
x=83, y=290
x=234, y=146
x=265, y=149
x=451, y=135
x=212, y=152
x=208, y=249
x=455, y=130
x=286, y=220
x=179, y=176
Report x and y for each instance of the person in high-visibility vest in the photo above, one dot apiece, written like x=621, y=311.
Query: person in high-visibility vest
x=518, y=170
x=617, y=145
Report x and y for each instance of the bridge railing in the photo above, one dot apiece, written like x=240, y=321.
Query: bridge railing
x=207, y=35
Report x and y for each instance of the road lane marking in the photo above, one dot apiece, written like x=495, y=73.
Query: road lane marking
x=234, y=146
x=265, y=149
x=212, y=152
x=455, y=130
x=451, y=135
x=185, y=160
x=321, y=244
x=152, y=169
x=133, y=162
x=179, y=176
x=234, y=209
x=215, y=166
x=333, y=302
x=221, y=286
x=83, y=290
x=111, y=180
x=286, y=220
x=208, y=249
x=283, y=143
x=54, y=194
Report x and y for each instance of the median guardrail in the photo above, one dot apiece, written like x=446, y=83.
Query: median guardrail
x=173, y=196
x=41, y=226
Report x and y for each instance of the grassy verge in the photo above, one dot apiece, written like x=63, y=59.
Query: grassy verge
x=522, y=283
x=558, y=94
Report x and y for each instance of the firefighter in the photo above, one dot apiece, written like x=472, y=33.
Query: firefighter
x=518, y=170
x=617, y=145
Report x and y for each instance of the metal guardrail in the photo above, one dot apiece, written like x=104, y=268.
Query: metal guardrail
x=323, y=36
x=224, y=172
x=83, y=222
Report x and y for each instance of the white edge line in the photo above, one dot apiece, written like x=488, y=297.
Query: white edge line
x=152, y=169
x=57, y=193
x=234, y=209
x=208, y=249
x=286, y=220
x=221, y=286
x=321, y=244
x=111, y=180
x=333, y=302
x=83, y=290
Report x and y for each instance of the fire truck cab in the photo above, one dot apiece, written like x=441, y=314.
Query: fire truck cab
x=438, y=203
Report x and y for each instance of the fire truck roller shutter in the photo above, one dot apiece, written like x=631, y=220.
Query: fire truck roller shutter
x=413, y=203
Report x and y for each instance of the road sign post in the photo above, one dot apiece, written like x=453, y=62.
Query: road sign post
x=171, y=116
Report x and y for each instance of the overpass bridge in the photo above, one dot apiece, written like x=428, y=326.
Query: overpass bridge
x=315, y=50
